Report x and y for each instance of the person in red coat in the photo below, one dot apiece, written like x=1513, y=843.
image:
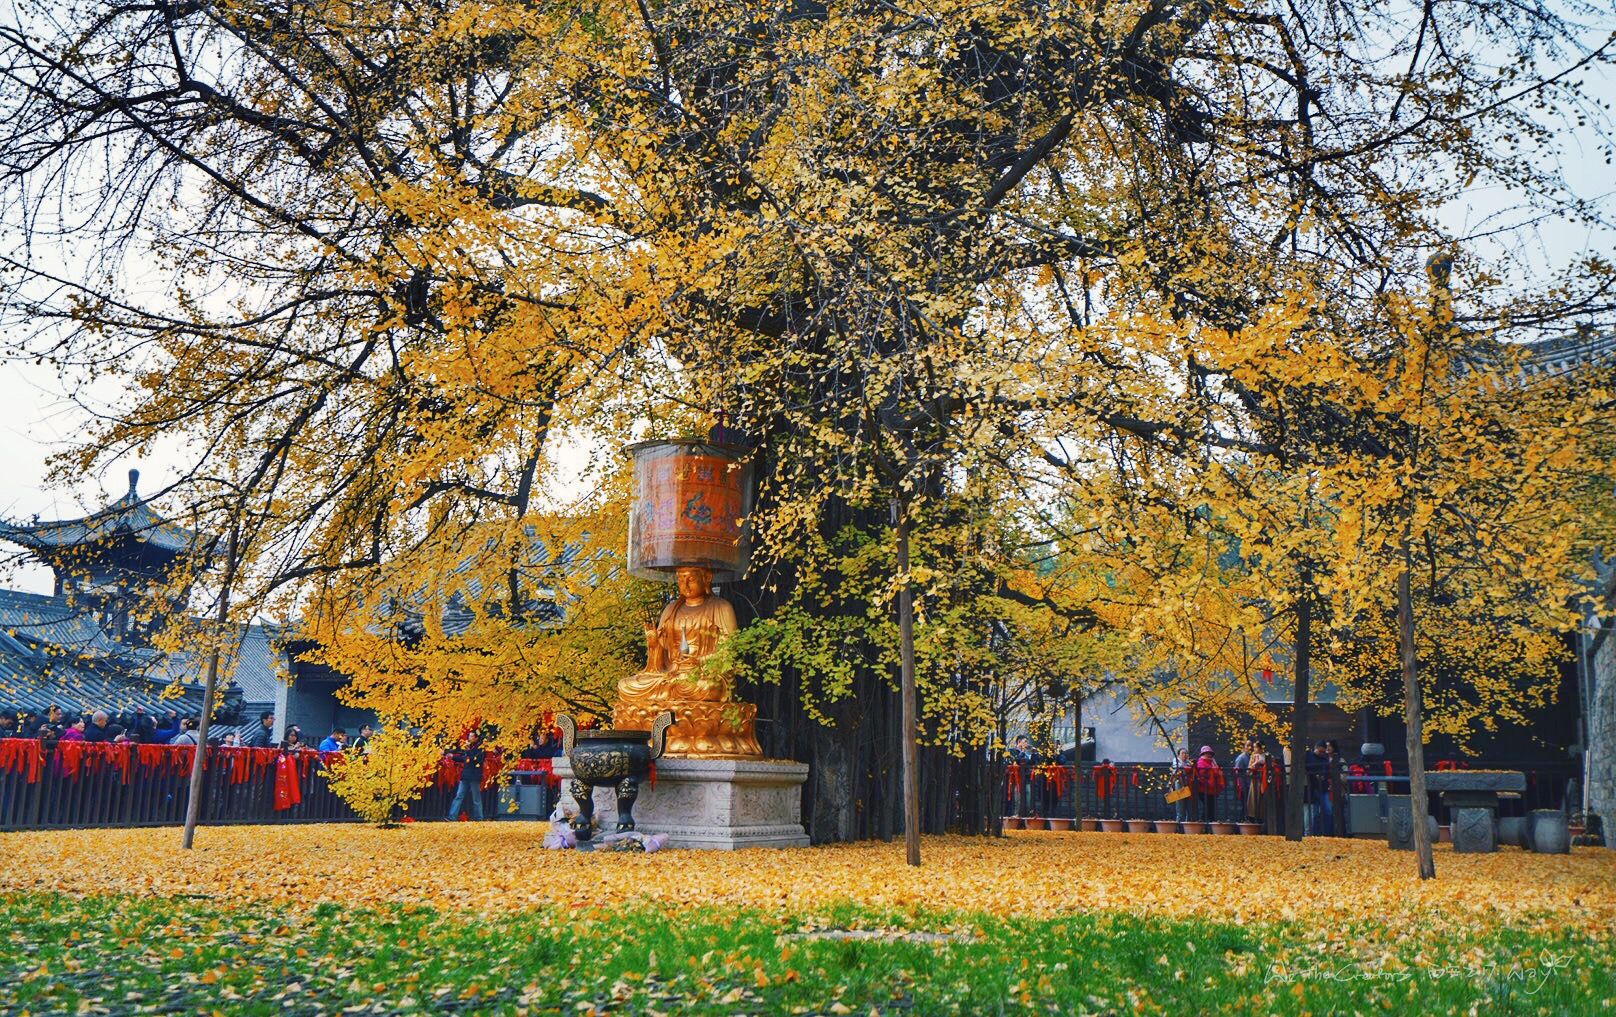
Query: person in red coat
x=1207, y=784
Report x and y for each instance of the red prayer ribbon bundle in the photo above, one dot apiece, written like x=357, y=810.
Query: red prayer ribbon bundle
x=288, y=780
x=1055, y=776
x=24, y=756
x=246, y=763
x=75, y=758
x=448, y=773
x=166, y=759
x=1266, y=770
x=1105, y=780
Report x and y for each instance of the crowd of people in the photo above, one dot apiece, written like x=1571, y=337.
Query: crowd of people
x=468, y=760
x=133, y=726
x=139, y=727
x=1199, y=784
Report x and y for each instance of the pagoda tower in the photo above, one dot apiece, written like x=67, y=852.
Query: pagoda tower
x=111, y=563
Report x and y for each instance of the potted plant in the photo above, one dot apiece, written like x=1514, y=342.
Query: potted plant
x=1248, y=829
x=1091, y=824
x=1036, y=823
x=1059, y=823
x=1111, y=825
x=1014, y=823
x=1138, y=825
x=1224, y=828
x=1166, y=826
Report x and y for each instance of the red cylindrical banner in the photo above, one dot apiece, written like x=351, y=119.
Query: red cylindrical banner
x=692, y=501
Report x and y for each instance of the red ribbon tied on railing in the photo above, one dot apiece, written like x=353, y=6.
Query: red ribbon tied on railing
x=448, y=773
x=1265, y=771
x=1105, y=780
x=24, y=756
x=1055, y=776
x=247, y=763
x=288, y=774
x=166, y=759
x=75, y=758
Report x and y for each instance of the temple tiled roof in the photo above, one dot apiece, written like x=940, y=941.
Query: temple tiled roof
x=255, y=666
x=545, y=572
x=33, y=617
x=53, y=653
x=1564, y=354
x=33, y=677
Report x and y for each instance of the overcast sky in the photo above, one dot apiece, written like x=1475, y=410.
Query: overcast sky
x=36, y=419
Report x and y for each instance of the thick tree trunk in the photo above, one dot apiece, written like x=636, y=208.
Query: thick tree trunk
x=1413, y=717
x=854, y=784
x=855, y=789
x=1296, y=773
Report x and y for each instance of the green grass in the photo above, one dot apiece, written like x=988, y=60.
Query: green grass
x=122, y=955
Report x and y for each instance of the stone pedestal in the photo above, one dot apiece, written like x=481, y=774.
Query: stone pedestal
x=1363, y=816
x=1400, y=823
x=1472, y=800
x=1475, y=820
x=720, y=804
x=1547, y=832
x=1512, y=831
x=1474, y=829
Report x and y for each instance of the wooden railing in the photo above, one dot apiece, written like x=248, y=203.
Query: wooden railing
x=1139, y=791
x=77, y=784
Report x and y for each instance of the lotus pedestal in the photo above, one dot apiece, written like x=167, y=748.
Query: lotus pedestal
x=719, y=804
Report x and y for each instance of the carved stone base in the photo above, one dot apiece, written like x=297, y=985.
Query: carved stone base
x=1474, y=830
x=720, y=804
x=1400, y=823
x=702, y=729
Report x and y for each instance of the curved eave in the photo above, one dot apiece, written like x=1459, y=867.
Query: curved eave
x=101, y=530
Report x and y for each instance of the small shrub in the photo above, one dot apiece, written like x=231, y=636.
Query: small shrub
x=382, y=780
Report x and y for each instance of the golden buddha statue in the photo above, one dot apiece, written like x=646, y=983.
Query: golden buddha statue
x=708, y=723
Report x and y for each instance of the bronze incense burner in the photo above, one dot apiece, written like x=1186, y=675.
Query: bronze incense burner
x=610, y=758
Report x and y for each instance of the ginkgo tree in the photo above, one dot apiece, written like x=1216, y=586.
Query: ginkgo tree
x=1456, y=507
x=1285, y=529
x=406, y=247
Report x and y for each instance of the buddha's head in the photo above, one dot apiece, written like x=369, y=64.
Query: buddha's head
x=694, y=581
